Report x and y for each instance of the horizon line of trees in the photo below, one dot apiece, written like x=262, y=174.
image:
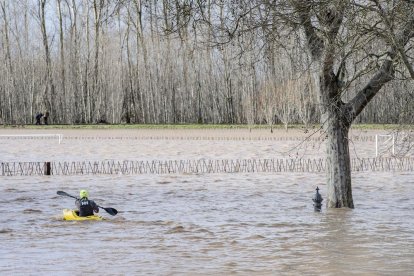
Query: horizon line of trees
x=89, y=61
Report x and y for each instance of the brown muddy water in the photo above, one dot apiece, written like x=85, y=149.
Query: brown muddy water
x=199, y=224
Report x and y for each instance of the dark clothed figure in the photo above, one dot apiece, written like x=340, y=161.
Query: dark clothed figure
x=86, y=207
x=46, y=117
x=38, y=117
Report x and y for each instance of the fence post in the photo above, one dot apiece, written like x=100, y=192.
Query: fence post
x=393, y=144
x=47, y=168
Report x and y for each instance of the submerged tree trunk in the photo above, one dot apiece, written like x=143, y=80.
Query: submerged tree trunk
x=338, y=162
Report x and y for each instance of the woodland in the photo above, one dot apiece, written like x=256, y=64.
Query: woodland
x=183, y=61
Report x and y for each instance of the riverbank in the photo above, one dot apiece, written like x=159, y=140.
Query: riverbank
x=200, y=126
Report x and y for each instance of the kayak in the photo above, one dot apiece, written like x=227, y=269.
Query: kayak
x=73, y=215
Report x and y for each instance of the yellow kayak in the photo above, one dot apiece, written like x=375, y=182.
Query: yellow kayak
x=73, y=215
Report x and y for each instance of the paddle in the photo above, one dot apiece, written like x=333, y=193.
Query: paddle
x=110, y=211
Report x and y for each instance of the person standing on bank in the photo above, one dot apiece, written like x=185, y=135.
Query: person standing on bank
x=86, y=206
x=45, y=117
x=38, y=117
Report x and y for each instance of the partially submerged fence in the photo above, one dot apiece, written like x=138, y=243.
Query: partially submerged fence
x=201, y=166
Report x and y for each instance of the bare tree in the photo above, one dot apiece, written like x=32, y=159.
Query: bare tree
x=49, y=90
x=332, y=36
x=63, y=105
x=96, y=89
x=337, y=116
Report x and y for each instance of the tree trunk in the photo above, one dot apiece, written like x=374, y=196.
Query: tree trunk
x=142, y=116
x=97, y=91
x=335, y=121
x=49, y=95
x=63, y=104
x=338, y=162
x=86, y=87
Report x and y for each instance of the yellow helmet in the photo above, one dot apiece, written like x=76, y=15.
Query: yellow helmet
x=83, y=193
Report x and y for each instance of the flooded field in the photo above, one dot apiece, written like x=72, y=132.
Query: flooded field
x=199, y=224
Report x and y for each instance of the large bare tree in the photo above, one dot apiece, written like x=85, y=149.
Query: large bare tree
x=328, y=37
x=347, y=41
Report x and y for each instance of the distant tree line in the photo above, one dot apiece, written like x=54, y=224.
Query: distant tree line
x=144, y=61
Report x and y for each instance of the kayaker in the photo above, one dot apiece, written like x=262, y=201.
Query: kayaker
x=86, y=206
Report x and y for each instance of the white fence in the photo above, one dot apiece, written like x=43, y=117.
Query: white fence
x=397, y=144
x=32, y=136
x=383, y=146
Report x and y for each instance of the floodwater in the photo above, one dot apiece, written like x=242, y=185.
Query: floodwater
x=199, y=224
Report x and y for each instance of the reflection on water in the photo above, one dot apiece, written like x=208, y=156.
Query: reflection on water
x=248, y=224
